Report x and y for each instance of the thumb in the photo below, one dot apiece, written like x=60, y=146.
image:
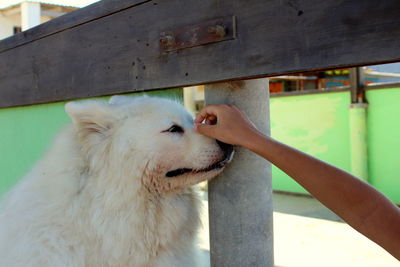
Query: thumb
x=205, y=129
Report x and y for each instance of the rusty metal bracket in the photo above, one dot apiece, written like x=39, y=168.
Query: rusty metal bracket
x=212, y=31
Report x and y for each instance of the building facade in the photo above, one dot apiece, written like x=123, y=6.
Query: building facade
x=17, y=15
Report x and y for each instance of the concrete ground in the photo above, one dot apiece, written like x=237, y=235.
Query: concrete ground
x=306, y=234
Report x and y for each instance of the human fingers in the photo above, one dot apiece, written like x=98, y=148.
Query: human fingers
x=205, y=112
x=205, y=129
x=210, y=120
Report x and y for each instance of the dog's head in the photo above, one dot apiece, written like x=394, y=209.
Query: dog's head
x=146, y=140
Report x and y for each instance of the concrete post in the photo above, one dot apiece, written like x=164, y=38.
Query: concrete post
x=189, y=99
x=30, y=15
x=240, y=199
x=358, y=140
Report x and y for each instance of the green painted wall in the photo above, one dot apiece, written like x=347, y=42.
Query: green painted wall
x=316, y=124
x=384, y=141
x=26, y=132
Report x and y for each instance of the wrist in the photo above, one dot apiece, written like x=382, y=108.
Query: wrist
x=252, y=140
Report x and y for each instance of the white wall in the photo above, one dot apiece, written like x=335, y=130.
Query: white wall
x=30, y=15
x=7, y=25
x=27, y=15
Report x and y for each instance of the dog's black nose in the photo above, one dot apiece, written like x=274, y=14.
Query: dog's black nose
x=227, y=148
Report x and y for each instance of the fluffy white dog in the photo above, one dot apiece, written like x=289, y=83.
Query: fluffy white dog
x=113, y=190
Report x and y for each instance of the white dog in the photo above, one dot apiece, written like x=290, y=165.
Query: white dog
x=113, y=190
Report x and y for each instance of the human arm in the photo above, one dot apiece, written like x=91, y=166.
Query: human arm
x=356, y=202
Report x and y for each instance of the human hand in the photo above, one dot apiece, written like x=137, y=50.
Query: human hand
x=226, y=123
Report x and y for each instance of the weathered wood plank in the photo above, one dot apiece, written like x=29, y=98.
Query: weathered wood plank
x=120, y=52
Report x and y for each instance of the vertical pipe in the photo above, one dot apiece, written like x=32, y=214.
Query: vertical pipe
x=358, y=124
x=30, y=15
x=358, y=140
x=240, y=199
x=357, y=87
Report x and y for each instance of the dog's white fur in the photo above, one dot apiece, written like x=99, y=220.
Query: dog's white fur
x=100, y=197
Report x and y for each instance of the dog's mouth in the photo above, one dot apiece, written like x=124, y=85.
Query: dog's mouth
x=215, y=166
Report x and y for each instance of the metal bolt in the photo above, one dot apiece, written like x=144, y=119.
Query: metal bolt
x=167, y=40
x=217, y=30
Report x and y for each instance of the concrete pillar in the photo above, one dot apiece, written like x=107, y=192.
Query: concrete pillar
x=240, y=199
x=30, y=15
x=189, y=99
x=358, y=140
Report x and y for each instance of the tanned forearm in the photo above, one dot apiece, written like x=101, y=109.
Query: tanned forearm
x=357, y=203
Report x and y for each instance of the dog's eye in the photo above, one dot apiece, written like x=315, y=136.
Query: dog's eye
x=175, y=129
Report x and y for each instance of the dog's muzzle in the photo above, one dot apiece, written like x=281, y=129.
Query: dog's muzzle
x=228, y=155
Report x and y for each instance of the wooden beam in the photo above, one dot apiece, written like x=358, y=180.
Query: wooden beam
x=114, y=46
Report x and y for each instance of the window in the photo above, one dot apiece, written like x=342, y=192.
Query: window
x=17, y=29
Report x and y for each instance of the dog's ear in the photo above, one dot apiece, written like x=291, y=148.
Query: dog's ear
x=93, y=120
x=119, y=99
